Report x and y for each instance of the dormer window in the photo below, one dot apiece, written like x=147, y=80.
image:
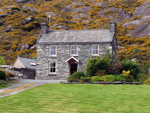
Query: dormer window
x=95, y=49
x=32, y=63
x=53, y=49
x=73, y=50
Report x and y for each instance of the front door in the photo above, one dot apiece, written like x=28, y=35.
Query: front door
x=73, y=68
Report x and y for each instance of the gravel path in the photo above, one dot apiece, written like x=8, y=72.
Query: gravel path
x=25, y=84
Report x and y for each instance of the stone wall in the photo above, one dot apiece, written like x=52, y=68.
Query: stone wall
x=29, y=73
x=63, y=53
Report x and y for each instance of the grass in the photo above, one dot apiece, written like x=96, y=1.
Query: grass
x=79, y=98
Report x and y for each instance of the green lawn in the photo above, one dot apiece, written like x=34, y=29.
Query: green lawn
x=79, y=98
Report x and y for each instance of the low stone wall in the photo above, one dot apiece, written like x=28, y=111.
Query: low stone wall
x=116, y=82
x=29, y=73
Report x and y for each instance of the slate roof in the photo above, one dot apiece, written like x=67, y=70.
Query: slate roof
x=76, y=36
x=27, y=61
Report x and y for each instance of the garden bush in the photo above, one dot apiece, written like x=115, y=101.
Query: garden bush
x=110, y=78
x=85, y=79
x=147, y=82
x=133, y=67
x=119, y=78
x=2, y=75
x=95, y=79
x=76, y=76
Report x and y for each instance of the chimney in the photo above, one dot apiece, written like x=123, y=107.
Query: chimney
x=112, y=27
x=44, y=28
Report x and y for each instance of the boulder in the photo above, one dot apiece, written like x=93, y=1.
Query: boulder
x=26, y=46
x=83, y=10
x=78, y=16
x=22, y=1
x=63, y=27
x=144, y=19
x=80, y=3
x=1, y=37
x=27, y=20
x=51, y=13
x=133, y=22
x=143, y=9
x=67, y=9
x=141, y=31
x=103, y=4
x=30, y=8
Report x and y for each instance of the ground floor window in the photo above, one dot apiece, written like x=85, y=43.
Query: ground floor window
x=52, y=67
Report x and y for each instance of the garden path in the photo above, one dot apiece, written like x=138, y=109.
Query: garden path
x=23, y=85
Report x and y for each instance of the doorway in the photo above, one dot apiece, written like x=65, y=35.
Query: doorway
x=73, y=68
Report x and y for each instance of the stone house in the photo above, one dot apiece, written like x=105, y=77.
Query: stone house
x=26, y=66
x=61, y=53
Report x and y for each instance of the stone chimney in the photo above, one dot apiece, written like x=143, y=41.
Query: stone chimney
x=44, y=28
x=112, y=27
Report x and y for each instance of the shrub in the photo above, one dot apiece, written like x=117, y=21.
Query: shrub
x=95, y=64
x=76, y=76
x=112, y=68
x=119, y=78
x=2, y=61
x=2, y=74
x=3, y=84
x=95, y=79
x=147, y=82
x=133, y=67
x=84, y=79
x=9, y=74
x=100, y=73
x=143, y=77
x=110, y=78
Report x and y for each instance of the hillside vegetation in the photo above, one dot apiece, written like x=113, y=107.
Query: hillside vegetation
x=20, y=24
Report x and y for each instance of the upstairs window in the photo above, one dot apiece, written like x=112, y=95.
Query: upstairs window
x=95, y=49
x=74, y=50
x=52, y=67
x=53, y=50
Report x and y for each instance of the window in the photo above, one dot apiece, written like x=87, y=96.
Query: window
x=95, y=50
x=74, y=49
x=52, y=67
x=53, y=50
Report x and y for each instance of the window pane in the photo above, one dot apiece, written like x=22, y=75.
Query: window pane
x=95, y=52
x=53, y=48
x=73, y=46
x=94, y=46
x=52, y=70
x=52, y=64
x=53, y=53
x=73, y=49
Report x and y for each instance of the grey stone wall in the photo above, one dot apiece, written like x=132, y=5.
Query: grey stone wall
x=63, y=53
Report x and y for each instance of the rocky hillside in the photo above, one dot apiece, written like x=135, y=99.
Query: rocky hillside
x=20, y=24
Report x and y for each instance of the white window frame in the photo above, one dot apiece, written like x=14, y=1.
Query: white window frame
x=71, y=50
x=52, y=67
x=96, y=49
x=55, y=50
